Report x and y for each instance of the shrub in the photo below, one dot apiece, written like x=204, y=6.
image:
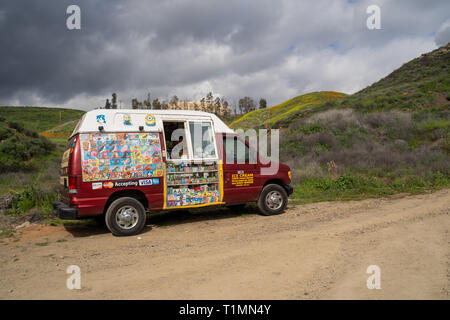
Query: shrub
x=33, y=198
x=5, y=133
x=345, y=182
x=17, y=126
x=20, y=147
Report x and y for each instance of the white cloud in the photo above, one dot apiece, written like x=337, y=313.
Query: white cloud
x=443, y=34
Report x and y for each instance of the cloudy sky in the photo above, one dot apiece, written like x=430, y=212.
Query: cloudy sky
x=261, y=48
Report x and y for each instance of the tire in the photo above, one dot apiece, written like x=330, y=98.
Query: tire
x=272, y=200
x=125, y=217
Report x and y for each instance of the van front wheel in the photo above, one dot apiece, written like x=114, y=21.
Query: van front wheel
x=272, y=200
x=125, y=217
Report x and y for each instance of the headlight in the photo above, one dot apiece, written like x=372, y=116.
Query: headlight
x=289, y=174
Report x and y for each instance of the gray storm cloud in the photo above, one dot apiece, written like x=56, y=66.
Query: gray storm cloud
x=260, y=48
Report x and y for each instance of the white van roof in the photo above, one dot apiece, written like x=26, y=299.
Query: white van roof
x=125, y=120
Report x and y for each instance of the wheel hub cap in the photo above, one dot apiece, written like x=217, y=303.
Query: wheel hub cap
x=274, y=200
x=127, y=217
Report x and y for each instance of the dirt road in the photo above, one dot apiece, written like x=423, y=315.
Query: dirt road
x=314, y=251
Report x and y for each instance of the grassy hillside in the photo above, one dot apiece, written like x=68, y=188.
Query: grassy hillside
x=393, y=136
x=29, y=173
x=63, y=130
x=273, y=115
x=20, y=148
x=39, y=119
x=29, y=162
x=421, y=85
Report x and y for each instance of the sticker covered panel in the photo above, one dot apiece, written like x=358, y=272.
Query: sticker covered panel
x=191, y=184
x=113, y=156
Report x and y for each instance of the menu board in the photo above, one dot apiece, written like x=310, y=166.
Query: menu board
x=113, y=156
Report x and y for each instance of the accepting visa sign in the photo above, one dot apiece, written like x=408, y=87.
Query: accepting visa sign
x=124, y=184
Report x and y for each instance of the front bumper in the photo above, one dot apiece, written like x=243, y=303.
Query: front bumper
x=63, y=211
x=289, y=189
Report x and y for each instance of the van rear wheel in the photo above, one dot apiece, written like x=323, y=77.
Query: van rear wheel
x=125, y=217
x=272, y=200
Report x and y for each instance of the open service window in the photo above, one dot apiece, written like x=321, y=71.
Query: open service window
x=194, y=179
x=176, y=140
x=202, y=140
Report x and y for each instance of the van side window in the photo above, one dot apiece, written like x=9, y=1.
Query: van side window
x=236, y=151
x=202, y=139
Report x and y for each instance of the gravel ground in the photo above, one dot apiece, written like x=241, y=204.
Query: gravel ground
x=314, y=251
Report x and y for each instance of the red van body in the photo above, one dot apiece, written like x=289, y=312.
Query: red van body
x=80, y=200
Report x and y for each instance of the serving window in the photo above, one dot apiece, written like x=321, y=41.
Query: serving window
x=175, y=140
x=192, y=169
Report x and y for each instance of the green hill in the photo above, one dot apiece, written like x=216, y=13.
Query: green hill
x=63, y=130
x=273, y=115
x=40, y=119
x=393, y=136
x=420, y=85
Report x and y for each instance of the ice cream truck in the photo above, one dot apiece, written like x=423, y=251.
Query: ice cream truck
x=120, y=164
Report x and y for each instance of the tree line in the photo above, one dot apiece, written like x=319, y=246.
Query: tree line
x=209, y=103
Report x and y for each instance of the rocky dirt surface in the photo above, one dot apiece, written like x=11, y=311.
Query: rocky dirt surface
x=314, y=251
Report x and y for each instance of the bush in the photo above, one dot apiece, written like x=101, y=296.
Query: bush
x=345, y=182
x=5, y=133
x=33, y=198
x=20, y=147
x=17, y=126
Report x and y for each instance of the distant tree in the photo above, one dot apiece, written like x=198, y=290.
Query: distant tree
x=174, y=100
x=225, y=108
x=156, y=104
x=134, y=103
x=246, y=105
x=107, y=104
x=224, y=102
x=262, y=103
x=209, y=98
x=114, y=101
x=217, y=106
x=148, y=102
x=164, y=105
